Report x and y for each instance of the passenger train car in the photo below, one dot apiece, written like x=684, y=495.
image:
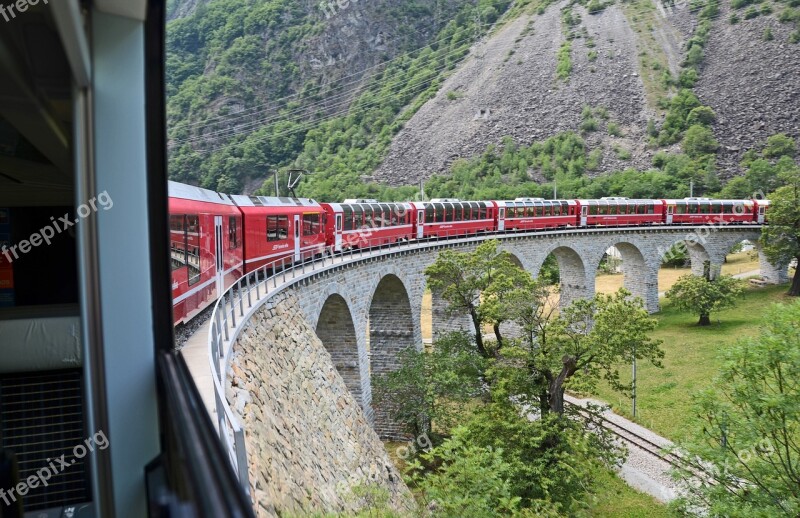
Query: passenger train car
x=206, y=245
x=215, y=237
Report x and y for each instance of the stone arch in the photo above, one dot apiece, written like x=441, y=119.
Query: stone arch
x=575, y=279
x=700, y=258
x=336, y=329
x=770, y=272
x=639, y=273
x=391, y=330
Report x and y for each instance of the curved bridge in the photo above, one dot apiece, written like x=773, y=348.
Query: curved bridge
x=366, y=305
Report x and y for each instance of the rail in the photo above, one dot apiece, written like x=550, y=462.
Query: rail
x=235, y=307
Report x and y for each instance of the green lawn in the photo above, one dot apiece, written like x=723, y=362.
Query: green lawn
x=615, y=499
x=691, y=361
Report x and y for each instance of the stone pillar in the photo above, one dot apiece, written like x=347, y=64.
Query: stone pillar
x=770, y=272
x=391, y=330
x=444, y=322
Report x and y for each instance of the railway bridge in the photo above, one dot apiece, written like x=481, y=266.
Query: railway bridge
x=365, y=306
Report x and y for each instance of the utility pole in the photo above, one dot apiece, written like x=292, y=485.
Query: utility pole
x=633, y=384
x=691, y=188
x=277, y=188
x=555, y=189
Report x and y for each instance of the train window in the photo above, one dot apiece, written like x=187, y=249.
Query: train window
x=178, y=241
x=348, y=218
x=439, y=212
x=481, y=212
x=233, y=232
x=310, y=224
x=277, y=228
x=430, y=214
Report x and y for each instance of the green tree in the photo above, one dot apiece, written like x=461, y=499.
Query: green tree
x=431, y=388
x=460, y=278
x=781, y=238
x=749, y=433
x=701, y=115
x=699, y=295
x=780, y=145
x=699, y=140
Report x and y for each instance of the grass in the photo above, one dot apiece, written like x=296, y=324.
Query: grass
x=615, y=499
x=564, y=65
x=691, y=362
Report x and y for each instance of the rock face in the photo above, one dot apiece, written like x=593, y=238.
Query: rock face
x=309, y=444
x=498, y=93
x=753, y=85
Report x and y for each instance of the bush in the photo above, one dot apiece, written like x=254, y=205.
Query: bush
x=698, y=141
x=613, y=129
x=751, y=12
x=564, y=66
x=701, y=115
x=589, y=124
x=768, y=34
x=733, y=20
x=595, y=7
x=592, y=56
x=780, y=145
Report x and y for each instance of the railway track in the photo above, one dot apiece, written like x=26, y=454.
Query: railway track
x=638, y=441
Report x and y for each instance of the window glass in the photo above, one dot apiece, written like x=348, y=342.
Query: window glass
x=177, y=241
x=233, y=232
x=277, y=228
x=430, y=214
x=311, y=224
x=193, y=247
x=348, y=218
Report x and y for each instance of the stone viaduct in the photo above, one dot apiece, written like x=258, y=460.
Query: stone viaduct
x=365, y=312
x=293, y=355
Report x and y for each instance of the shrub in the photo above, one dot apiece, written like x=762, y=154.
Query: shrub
x=701, y=115
x=751, y=12
x=592, y=56
x=595, y=7
x=733, y=20
x=613, y=129
x=768, y=34
x=780, y=145
x=589, y=124
x=698, y=141
x=564, y=66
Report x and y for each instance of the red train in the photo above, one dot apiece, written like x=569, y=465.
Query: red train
x=216, y=238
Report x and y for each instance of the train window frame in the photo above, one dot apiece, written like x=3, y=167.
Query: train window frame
x=281, y=233
x=194, y=275
x=348, y=213
x=182, y=229
x=430, y=214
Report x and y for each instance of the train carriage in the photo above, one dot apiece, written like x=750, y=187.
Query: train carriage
x=205, y=247
x=619, y=211
x=280, y=230
x=361, y=223
x=536, y=213
x=703, y=211
x=446, y=217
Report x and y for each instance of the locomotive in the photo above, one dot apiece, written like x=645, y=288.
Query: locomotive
x=216, y=238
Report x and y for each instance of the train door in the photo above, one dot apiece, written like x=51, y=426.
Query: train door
x=297, y=238
x=670, y=212
x=584, y=214
x=338, y=233
x=420, y=223
x=501, y=218
x=761, y=211
x=219, y=255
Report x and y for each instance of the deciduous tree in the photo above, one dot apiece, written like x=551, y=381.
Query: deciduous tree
x=781, y=238
x=701, y=296
x=750, y=424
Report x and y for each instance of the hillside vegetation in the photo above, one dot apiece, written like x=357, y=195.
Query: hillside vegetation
x=487, y=98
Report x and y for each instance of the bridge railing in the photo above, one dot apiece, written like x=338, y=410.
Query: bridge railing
x=234, y=308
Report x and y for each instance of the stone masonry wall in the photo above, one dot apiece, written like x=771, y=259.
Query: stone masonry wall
x=308, y=441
